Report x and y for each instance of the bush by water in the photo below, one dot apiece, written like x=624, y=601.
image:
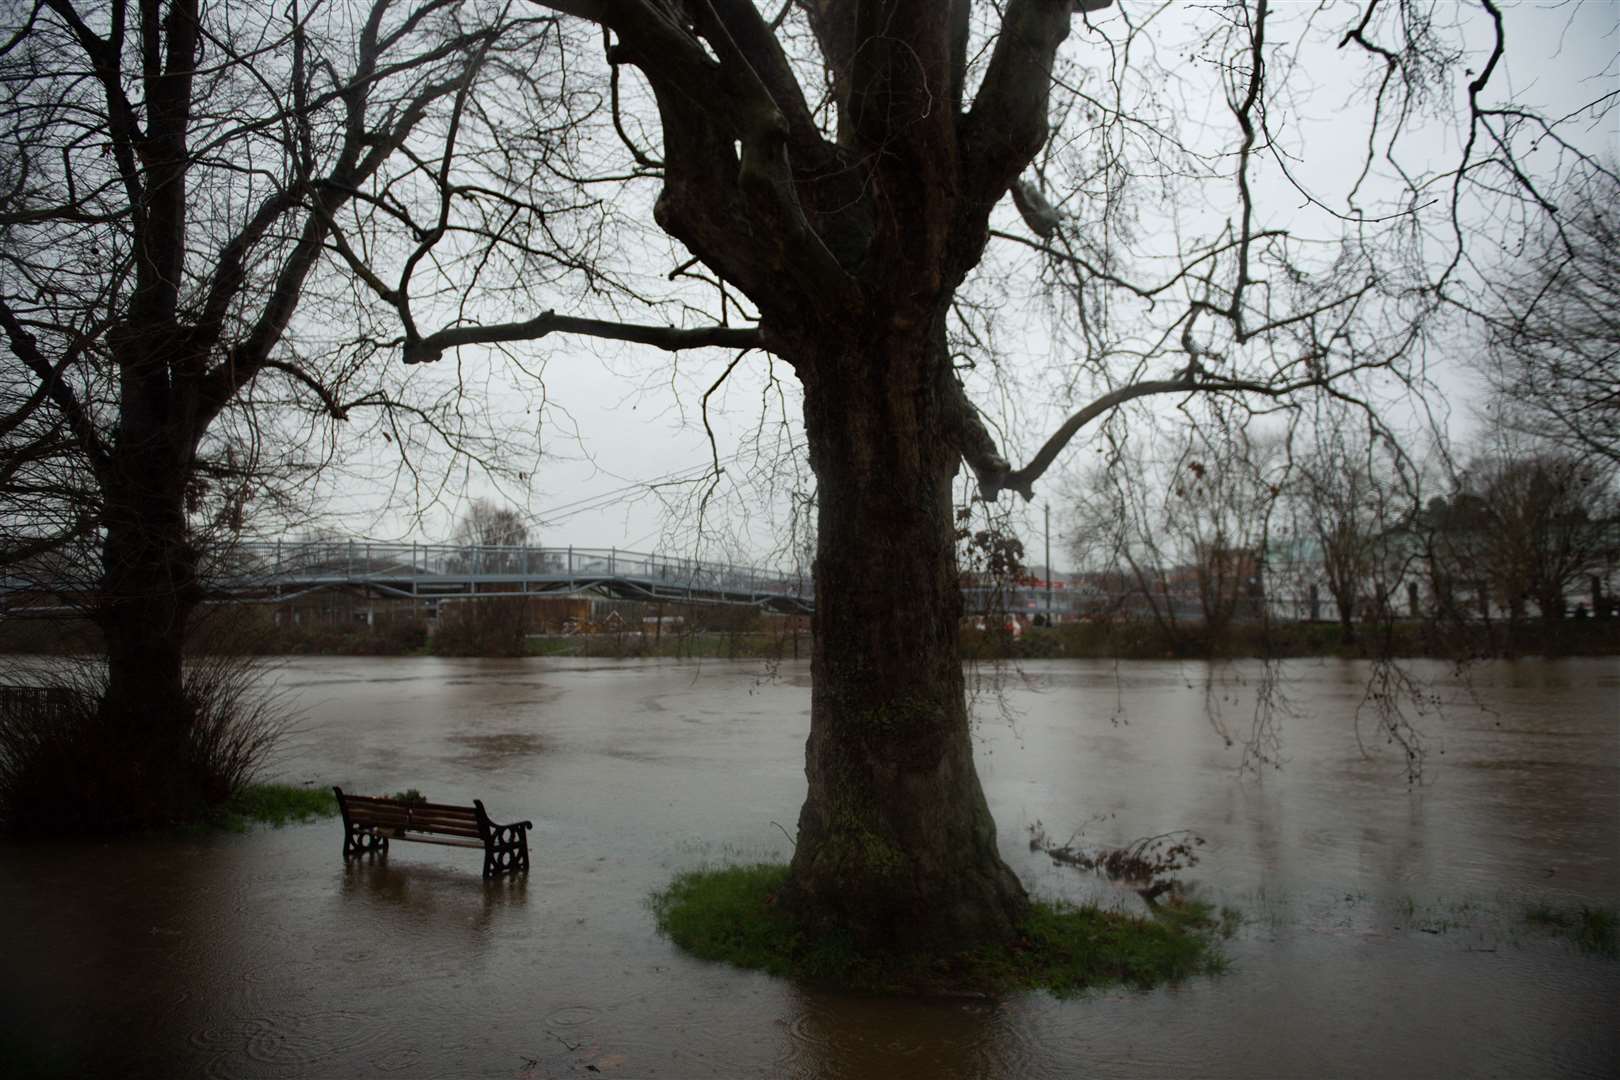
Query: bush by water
x=68, y=764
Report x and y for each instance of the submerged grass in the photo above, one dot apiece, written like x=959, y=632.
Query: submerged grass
x=1479, y=923
x=273, y=804
x=731, y=915
x=1592, y=929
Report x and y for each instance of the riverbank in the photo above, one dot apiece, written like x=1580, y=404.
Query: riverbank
x=760, y=638
x=1147, y=640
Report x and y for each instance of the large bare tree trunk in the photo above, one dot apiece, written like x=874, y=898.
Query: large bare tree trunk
x=149, y=590
x=148, y=595
x=896, y=844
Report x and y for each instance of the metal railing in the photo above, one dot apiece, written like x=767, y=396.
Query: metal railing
x=434, y=567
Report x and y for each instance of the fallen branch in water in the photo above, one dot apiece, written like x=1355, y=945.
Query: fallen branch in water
x=1143, y=864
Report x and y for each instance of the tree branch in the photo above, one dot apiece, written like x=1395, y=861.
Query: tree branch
x=593, y=10
x=22, y=550
x=349, y=171
x=1243, y=111
x=125, y=128
x=669, y=338
x=334, y=408
x=1007, y=123
x=994, y=472
x=50, y=378
x=757, y=46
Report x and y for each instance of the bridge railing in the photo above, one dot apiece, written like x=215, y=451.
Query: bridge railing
x=342, y=560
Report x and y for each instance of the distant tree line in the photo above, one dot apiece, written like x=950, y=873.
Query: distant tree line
x=1345, y=525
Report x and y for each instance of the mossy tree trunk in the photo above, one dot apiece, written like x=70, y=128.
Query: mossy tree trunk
x=896, y=845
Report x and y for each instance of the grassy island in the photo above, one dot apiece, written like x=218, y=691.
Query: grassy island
x=730, y=915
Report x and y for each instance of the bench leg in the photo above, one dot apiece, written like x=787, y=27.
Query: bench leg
x=360, y=841
x=507, y=851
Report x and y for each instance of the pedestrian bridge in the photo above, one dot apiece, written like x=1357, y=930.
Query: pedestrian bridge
x=288, y=569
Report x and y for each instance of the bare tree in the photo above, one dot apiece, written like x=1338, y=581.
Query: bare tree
x=1452, y=534
x=830, y=174
x=1119, y=538
x=1545, y=519
x=173, y=178
x=487, y=524
x=44, y=492
x=1552, y=354
x=1222, y=509
x=1191, y=533
x=1348, y=505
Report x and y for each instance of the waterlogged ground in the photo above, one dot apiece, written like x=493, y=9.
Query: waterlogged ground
x=1384, y=934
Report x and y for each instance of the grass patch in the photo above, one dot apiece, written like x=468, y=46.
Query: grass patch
x=1068, y=949
x=1592, y=929
x=731, y=915
x=273, y=804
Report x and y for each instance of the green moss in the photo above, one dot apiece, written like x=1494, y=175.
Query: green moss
x=273, y=804
x=731, y=915
x=852, y=843
x=1592, y=929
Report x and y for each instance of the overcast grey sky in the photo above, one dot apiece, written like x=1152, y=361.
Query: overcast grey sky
x=619, y=419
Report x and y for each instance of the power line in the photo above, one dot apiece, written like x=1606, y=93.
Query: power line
x=558, y=514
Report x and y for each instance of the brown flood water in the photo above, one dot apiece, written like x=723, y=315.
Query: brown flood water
x=1383, y=937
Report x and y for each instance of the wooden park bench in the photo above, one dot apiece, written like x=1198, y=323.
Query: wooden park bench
x=369, y=823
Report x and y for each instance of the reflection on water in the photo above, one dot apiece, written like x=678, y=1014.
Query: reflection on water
x=424, y=896
x=910, y=1040
x=1383, y=931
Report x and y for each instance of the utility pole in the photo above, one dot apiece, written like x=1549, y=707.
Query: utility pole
x=1048, y=564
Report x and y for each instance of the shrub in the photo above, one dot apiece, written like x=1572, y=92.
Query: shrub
x=393, y=636
x=483, y=628
x=68, y=764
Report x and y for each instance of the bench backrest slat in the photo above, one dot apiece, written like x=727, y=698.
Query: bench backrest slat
x=377, y=813
x=432, y=823
x=426, y=815
x=439, y=827
x=401, y=813
x=439, y=818
x=374, y=800
x=412, y=825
